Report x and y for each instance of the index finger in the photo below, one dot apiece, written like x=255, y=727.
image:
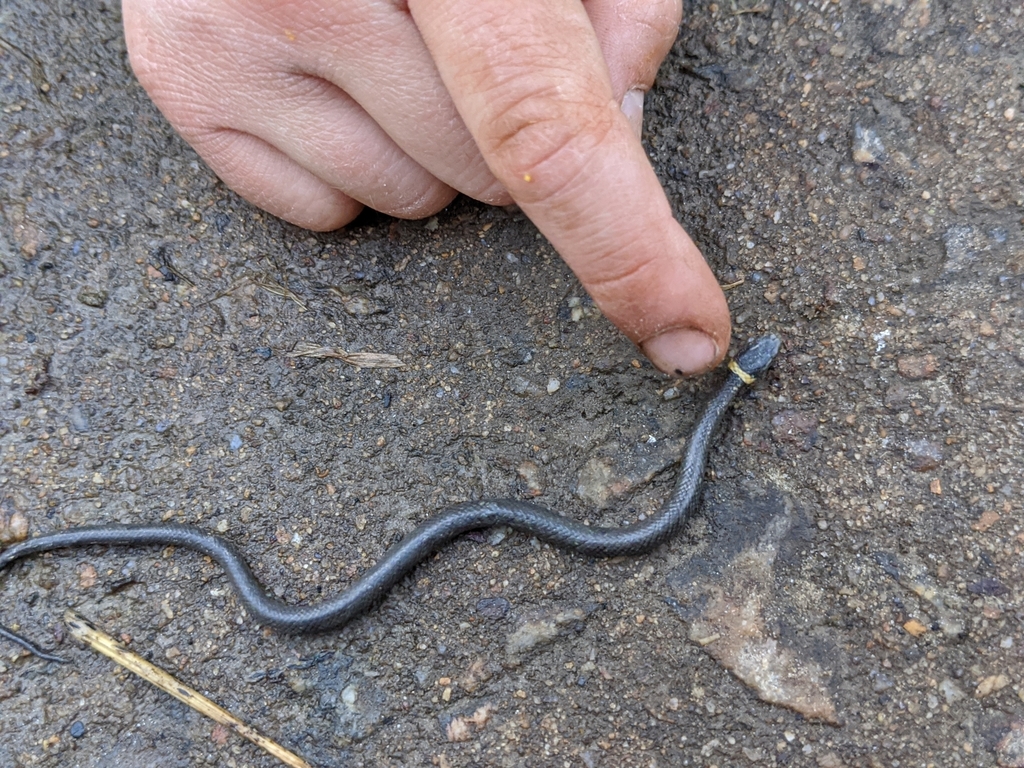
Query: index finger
x=531, y=84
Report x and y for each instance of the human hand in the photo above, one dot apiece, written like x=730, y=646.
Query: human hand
x=312, y=110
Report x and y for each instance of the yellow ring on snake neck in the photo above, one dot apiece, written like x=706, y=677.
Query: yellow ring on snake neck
x=745, y=377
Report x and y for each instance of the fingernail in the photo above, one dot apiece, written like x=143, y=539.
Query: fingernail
x=684, y=352
x=633, y=109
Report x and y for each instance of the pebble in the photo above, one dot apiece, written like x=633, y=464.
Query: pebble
x=792, y=426
x=358, y=305
x=988, y=587
x=541, y=629
x=553, y=385
x=529, y=472
x=77, y=729
x=493, y=607
x=235, y=442
x=867, y=148
x=93, y=297
x=986, y=521
x=670, y=394
x=951, y=692
x=265, y=352
x=13, y=527
x=79, y=421
x=915, y=367
x=924, y=455
x=880, y=681
x=990, y=685
x=523, y=387
x=1011, y=748
x=349, y=696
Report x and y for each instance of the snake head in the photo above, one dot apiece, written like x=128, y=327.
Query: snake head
x=756, y=358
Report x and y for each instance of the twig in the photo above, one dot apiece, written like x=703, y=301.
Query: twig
x=84, y=630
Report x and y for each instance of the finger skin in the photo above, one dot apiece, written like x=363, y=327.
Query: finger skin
x=534, y=91
x=291, y=142
x=311, y=82
x=635, y=36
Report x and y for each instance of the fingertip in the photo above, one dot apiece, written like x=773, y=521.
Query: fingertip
x=683, y=352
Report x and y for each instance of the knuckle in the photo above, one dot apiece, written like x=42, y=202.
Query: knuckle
x=538, y=142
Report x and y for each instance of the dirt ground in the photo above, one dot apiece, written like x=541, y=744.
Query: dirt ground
x=850, y=594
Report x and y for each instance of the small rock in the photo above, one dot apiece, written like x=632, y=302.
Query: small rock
x=542, y=629
x=867, y=148
x=915, y=627
x=951, y=692
x=162, y=342
x=79, y=421
x=349, y=696
x=458, y=728
x=93, y=297
x=753, y=755
x=265, y=352
x=962, y=243
x=617, y=470
x=986, y=521
x=916, y=367
x=988, y=587
x=358, y=305
x=924, y=455
x=670, y=394
x=86, y=576
x=235, y=442
x=1011, y=748
x=530, y=474
x=77, y=729
x=13, y=527
x=553, y=385
x=493, y=607
x=990, y=685
x=880, y=681
x=792, y=426
x=523, y=387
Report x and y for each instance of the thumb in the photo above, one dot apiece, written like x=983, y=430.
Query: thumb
x=533, y=89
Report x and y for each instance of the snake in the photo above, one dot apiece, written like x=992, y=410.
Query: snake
x=371, y=587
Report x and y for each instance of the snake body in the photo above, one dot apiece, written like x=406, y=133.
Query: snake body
x=370, y=588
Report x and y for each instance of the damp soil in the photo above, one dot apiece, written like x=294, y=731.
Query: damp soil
x=854, y=170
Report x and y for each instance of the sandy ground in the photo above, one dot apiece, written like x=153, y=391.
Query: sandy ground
x=850, y=594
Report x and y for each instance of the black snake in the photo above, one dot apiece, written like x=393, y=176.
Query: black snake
x=430, y=535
